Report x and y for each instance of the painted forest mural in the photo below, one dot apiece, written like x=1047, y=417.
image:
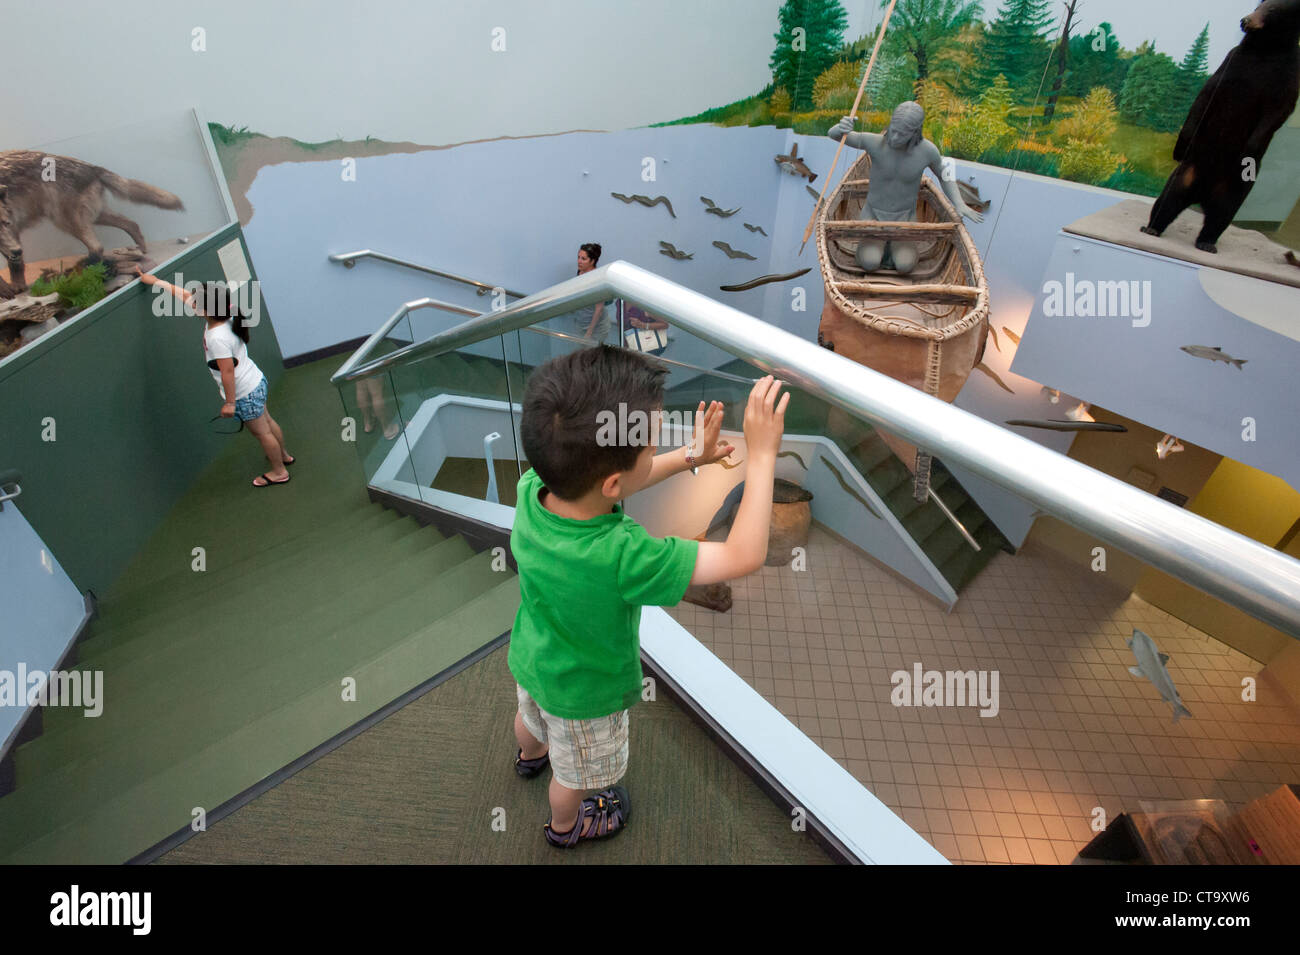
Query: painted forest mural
x=1028, y=87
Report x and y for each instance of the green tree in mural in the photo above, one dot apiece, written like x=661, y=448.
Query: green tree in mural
x=1150, y=96
x=1017, y=45
x=922, y=28
x=808, y=40
x=1096, y=59
x=1194, y=69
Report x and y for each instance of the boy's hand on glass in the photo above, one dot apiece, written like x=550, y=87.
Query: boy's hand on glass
x=765, y=417
x=708, y=446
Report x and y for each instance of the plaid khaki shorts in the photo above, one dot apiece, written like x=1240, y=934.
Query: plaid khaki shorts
x=585, y=754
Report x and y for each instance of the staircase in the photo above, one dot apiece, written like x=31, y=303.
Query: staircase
x=942, y=543
x=214, y=681
x=925, y=522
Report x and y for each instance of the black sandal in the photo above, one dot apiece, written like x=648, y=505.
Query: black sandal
x=601, y=815
x=528, y=768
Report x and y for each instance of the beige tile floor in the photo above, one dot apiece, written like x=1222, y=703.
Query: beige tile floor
x=1075, y=730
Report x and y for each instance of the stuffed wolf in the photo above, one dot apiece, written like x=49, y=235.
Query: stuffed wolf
x=70, y=193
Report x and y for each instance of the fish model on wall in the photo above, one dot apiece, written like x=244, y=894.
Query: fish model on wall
x=763, y=280
x=715, y=209
x=755, y=228
x=670, y=250
x=794, y=165
x=994, y=375
x=646, y=201
x=1213, y=354
x=1052, y=424
x=1151, y=664
x=734, y=253
x=971, y=196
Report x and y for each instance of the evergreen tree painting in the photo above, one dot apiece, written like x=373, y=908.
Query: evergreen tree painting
x=1151, y=94
x=1194, y=69
x=1096, y=60
x=809, y=36
x=922, y=28
x=1017, y=45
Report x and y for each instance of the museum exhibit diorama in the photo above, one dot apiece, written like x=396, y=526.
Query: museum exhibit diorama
x=1029, y=271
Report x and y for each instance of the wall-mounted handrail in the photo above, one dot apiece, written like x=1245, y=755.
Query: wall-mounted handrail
x=9, y=479
x=952, y=518
x=1244, y=573
x=349, y=259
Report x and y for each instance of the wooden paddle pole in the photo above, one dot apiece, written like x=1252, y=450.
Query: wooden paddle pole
x=880, y=38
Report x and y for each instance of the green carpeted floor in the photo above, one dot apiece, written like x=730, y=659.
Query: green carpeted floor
x=428, y=783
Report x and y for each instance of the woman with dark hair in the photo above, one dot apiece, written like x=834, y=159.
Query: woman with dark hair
x=594, y=321
x=240, y=382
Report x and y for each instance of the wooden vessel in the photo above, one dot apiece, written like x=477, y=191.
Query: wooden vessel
x=926, y=329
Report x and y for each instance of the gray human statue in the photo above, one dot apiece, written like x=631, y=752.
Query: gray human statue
x=899, y=158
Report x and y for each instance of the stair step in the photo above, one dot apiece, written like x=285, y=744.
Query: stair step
x=128, y=822
x=251, y=580
x=175, y=587
x=943, y=545
x=144, y=686
x=870, y=452
x=242, y=690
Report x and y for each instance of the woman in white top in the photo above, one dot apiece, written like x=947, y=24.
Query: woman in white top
x=240, y=382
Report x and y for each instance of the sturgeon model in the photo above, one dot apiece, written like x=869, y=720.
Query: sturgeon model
x=927, y=328
x=1151, y=664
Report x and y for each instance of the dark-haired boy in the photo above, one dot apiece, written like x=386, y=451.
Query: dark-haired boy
x=586, y=568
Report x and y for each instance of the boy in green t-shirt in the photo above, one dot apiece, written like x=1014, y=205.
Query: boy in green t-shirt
x=586, y=569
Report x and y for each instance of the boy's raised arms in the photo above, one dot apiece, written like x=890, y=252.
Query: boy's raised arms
x=745, y=548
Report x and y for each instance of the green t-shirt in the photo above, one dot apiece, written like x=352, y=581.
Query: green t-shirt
x=576, y=645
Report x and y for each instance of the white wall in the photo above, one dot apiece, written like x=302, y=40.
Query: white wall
x=399, y=70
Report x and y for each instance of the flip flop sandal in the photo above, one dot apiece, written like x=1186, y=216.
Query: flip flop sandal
x=269, y=482
x=604, y=814
x=528, y=768
x=291, y=462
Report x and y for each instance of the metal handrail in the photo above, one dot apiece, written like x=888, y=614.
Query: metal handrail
x=961, y=528
x=712, y=372
x=385, y=328
x=1244, y=573
x=9, y=478
x=349, y=259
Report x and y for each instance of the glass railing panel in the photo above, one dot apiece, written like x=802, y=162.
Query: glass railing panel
x=373, y=420
x=526, y=350
x=459, y=430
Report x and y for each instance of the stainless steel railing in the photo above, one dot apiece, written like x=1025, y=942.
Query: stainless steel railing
x=1244, y=573
x=349, y=259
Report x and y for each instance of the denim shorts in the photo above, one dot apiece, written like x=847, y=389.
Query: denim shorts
x=252, y=404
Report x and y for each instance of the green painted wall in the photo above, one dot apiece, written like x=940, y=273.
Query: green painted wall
x=130, y=396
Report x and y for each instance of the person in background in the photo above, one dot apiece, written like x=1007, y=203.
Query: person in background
x=636, y=319
x=240, y=382
x=593, y=321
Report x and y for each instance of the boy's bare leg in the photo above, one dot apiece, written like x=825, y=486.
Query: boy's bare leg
x=531, y=746
x=565, y=804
